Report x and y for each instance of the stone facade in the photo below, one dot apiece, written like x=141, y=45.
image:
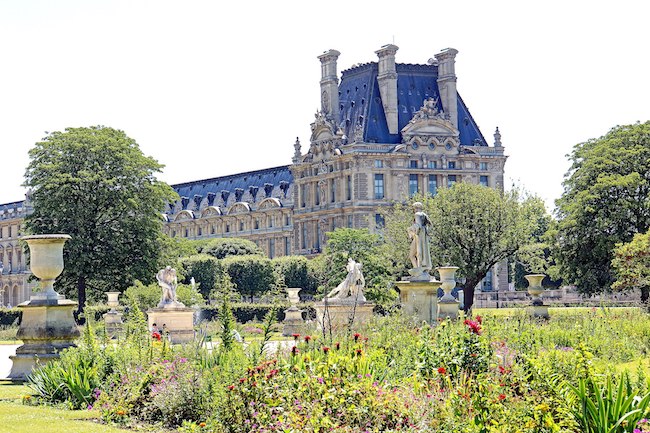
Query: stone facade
x=384, y=131
x=14, y=274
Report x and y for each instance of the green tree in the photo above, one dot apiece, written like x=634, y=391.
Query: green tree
x=96, y=185
x=252, y=275
x=224, y=247
x=205, y=270
x=605, y=202
x=361, y=246
x=295, y=272
x=473, y=227
x=631, y=265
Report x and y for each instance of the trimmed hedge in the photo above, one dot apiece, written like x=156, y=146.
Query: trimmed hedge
x=10, y=316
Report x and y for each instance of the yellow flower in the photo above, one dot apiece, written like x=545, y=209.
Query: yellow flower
x=543, y=407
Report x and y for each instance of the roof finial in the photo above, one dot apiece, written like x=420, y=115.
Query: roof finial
x=296, y=155
x=497, y=138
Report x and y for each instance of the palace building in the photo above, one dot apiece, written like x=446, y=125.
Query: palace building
x=384, y=132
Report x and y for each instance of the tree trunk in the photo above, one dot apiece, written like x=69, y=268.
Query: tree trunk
x=468, y=290
x=81, y=291
x=645, y=294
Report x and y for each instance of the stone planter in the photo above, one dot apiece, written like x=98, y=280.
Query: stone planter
x=113, y=299
x=294, y=298
x=293, y=322
x=535, y=289
x=113, y=318
x=448, y=305
x=47, y=326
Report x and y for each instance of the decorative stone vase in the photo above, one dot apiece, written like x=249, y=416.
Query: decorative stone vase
x=448, y=305
x=47, y=326
x=535, y=289
x=294, y=298
x=113, y=299
x=46, y=261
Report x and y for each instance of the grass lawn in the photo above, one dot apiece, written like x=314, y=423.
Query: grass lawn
x=19, y=418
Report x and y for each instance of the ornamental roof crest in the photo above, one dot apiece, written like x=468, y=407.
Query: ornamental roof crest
x=429, y=121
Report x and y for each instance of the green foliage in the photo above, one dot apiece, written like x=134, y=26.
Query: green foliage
x=96, y=185
x=148, y=296
x=225, y=316
x=225, y=247
x=252, y=275
x=295, y=272
x=205, y=270
x=473, y=227
x=175, y=248
x=605, y=202
x=363, y=247
x=631, y=264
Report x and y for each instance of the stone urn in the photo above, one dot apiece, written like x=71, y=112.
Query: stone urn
x=47, y=326
x=447, y=305
x=535, y=289
x=113, y=299
x=46, y=261
x=294, y=298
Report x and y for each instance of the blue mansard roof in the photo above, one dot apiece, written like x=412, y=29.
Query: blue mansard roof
x=360, y=102
x=253, y=186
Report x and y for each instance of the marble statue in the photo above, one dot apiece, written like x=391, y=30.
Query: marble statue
x=352, y=286
x=168, y=281
x=418, y=232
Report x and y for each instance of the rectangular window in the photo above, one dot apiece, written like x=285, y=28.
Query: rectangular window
x=332, y=190
x=302, y=195
x=350, y=221
x=211, y=229
x=379, y=163
x=451, y=165
x=432, y=164
x=484, y=181
x=316, y=194
x=270, y=222
x=304, y=236
x=287, y=220
x=271, y=248
x=287, y=246
x=257, y=224
x=200, y=231
x=227, y=228
x=9, y=231
x=451, y=180
x=241, y=226
x=187, y=233
x=413, y=164
x=433, y=184
x=413, y=184
x=484, y=166
x=379, y=186
x=379, y=221
x=349, y=188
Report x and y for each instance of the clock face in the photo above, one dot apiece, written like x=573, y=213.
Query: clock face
x=448, y=146
x=414, y=145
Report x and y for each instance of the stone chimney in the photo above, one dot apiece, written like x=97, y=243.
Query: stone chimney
x=447, y=83
x=329, y=85
x=387, y=79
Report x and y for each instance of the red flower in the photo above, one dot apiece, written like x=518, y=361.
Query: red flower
x=442, y=370
x=357, y=336
x=231, y=387
x=326, y=349
x=294, y=350
x=242, y=380
x=337, y=345
x=359, y=352
x=295, y=336
x=479, y=319
x=502, y=397
x=474, y=327
x=307, y=338
x=156, y=335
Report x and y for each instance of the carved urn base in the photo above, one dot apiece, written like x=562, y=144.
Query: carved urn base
x=47, y=327
x=176, y=323
x=292, y=323
x=419, y=299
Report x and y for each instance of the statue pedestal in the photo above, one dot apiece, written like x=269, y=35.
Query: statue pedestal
x=178, y=322
x=292, y=321
x=47, y=327
x=340, y=313
x=419, y=299
x=539, y=311
x=448, y=309
x=113, y=323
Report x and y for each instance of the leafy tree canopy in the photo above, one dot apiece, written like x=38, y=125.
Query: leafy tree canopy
x=631, y=265
x=224, y=247
x=205, y=269
x=295, y=272
x=96, y=185
x=473, y=227
x=605, y=201
x=252, y=275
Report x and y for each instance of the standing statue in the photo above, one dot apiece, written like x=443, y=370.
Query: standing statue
x=168, y=281
x=419, y=234
x=352, y=287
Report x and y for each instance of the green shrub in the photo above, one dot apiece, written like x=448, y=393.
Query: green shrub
x=10, y=316
x=147, y=297
x=252, y=275
x=225, y=247
x=295, y=271
x=205, y=269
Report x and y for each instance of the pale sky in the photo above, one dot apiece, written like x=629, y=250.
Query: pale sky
x=211, y=88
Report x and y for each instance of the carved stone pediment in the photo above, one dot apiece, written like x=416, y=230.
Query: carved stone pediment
x=429, y=125
x=239, y=207
x=269, y=203
x=210, y=211
x=184, y=215
x=325, y=137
